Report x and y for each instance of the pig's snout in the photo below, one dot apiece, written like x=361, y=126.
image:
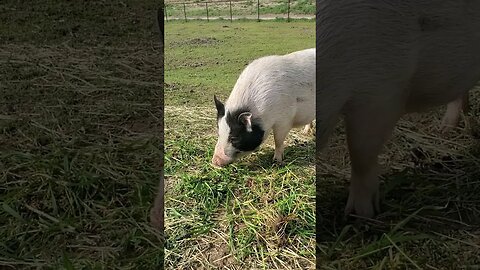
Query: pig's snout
x=220, y=159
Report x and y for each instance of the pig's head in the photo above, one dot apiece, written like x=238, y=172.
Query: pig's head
x=239, y=134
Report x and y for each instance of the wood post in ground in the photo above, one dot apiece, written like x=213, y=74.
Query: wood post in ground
x=165, y=10
x=258, y=10
x=231, y=18
x=184, y=12
x=206, y=6
x=288, y=11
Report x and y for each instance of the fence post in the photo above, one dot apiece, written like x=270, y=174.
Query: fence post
x=165, y=10
x=231, y=18
x=288, y=11
x=258, y=10
x=206, y=5
x=184, y=12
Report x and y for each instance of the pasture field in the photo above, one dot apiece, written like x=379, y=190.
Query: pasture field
x=79, y=134
x=252, y=214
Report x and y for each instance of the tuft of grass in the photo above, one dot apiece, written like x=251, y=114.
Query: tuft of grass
x=252, y=214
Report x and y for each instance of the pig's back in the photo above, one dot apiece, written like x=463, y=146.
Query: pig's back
x=271, y=86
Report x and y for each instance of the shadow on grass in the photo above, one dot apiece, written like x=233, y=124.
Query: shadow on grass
x=299, y=154
x=422, y=206
x=449, y=188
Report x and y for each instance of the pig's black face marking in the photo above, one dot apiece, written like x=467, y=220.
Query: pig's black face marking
x=239, y=137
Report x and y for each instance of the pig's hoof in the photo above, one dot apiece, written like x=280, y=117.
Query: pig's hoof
x=446, y=128
x=216, y=166
x=448, y=124
x=278, y=161
x=362, y=205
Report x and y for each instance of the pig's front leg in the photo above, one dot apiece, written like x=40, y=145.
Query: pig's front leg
x=368, y=127
x=280, y=132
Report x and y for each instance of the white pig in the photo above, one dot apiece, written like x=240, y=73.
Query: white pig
x=380, y=59
x=272, y=93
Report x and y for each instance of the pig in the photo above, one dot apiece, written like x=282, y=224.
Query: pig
x=274, y=92
x=380, y=59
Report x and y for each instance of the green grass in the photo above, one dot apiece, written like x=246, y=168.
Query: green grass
x=252, y=214
x=79, y=135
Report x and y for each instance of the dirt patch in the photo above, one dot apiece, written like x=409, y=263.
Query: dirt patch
x=219, y=255
x=206, y=41
x=203, y=41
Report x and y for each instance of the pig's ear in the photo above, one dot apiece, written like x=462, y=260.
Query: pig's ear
x=220, y=107
x=246, y=119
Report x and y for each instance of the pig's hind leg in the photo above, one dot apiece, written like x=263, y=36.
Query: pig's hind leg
x=368, y=127
x=308, y=127
x=452, y=116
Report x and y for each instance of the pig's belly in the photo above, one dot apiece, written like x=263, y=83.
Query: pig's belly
x=305, y=113
x=448, y=66
x=430, y=90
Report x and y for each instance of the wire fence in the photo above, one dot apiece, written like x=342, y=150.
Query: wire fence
x=240, y=9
